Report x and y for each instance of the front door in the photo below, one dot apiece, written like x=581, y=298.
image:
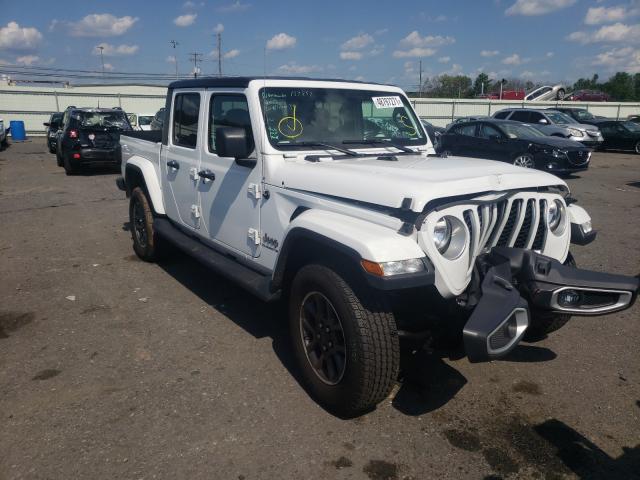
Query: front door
x=230, y=202
x=181, y=158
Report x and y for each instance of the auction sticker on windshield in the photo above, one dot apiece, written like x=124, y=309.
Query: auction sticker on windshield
x=387, y=102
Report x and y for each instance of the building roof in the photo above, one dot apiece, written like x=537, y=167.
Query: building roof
x=243, y=82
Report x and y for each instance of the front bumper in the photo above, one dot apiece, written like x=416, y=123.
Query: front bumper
x=516, y=282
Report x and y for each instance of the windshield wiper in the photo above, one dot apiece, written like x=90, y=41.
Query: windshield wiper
x=329, y=146
x=381, y=141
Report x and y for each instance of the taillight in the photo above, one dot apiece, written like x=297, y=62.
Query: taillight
x=73, y=133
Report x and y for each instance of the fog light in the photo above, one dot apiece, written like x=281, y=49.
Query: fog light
x=586, y=227
x=569, y=298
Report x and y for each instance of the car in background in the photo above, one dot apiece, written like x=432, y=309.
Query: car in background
x=507, y=95
x=53, y=125
x=580, y=115
x=587, y=96
x=516, y=143
x=634, y=118
x=140, y=121
x=470, y=118
x=433, y=131
x=551, y=122
x=620, y=135
x=547, y=92
x=158, y=120
x=90, y=136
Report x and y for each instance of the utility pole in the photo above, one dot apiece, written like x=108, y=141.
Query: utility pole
x=420, y=87
x=195, y=58
x=174, y=44
x=102, y=59
x=219, y=37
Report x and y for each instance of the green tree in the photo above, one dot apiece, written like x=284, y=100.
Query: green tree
x=449, y=86
x=482, y=84
x=620, y=87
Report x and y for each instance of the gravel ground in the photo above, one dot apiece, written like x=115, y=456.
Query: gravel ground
x=115, y=368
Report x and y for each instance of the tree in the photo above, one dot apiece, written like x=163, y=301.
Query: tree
x=448, y=86
x=620, y=87
x=482, y=84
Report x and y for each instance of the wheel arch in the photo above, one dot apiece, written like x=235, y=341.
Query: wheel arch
x=140, y=172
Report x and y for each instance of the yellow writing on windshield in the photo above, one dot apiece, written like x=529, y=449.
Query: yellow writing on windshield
x=290, y=126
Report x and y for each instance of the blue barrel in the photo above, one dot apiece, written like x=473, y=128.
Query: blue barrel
x=17, y=130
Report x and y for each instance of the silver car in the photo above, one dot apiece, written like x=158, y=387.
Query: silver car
x=555, y=124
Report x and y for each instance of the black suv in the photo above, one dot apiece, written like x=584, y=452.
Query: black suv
x=55, y=120
x=90, y=136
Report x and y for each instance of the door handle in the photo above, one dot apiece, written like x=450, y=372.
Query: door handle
x=173, y=164
x=207, y=174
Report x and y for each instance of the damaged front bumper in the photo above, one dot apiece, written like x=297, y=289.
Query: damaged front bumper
x=516, y=282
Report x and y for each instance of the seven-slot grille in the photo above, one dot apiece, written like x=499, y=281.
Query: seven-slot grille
x=516, y=223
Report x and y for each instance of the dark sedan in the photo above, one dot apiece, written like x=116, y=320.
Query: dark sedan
x=516, y=143
x=433, y=131
x=620, y=135
x=53, y=125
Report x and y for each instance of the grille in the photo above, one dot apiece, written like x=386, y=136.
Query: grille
x=514, y=223
x=579, y=157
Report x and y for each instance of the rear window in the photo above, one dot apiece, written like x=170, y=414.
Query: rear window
x=520, y=116
x=111, y=119
x=501, y=115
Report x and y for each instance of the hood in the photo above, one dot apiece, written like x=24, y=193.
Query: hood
x=583, y=126
x=557, y=142
x=421, y=178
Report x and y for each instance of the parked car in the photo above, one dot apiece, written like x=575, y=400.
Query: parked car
x=90, y=136
x=516, y=143
x=158, y=120
x=634, y=118
x=361, y=233
x=540, y=94
x=620, y=135
x=53, y=125
x=507, y=95
x=587, y=96
x=466, y=119
x=579, y=115
x=140, y=121
x=433, y=131
x=551, y=122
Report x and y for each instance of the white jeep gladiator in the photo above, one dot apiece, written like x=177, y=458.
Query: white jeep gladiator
x=328, y=194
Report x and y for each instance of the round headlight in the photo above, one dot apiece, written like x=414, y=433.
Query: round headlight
x=555, y=214
x=442, y=234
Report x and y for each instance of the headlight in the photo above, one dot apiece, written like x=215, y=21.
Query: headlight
x=442, y=234
x=389, y=269
x=555, y=216
x=575, y=132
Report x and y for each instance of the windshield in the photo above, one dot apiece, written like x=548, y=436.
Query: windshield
x=514, y=130
x=633, y=127
x=583, y=115
x=296, y=116
x=113, y=119
x=561, y=118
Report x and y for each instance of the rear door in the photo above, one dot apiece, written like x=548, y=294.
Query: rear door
x=181, y=158
x=494, y=145
x=461, y=141
x=230, y=198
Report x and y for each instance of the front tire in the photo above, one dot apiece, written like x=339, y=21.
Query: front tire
x=543, y=323
x=147, y=245
x=524, y=160
x=346, y=344
x=638, y=148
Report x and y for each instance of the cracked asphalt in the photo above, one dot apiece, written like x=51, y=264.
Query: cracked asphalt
x=115, y=368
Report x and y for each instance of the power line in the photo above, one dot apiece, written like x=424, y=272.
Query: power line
x=195, y=57
x=174, y=44
x=219, y=37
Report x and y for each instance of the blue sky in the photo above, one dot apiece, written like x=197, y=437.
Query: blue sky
x=541, y=40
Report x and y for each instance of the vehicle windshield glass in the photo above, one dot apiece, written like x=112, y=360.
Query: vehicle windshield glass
x=561, y=118
x=322, y=115
x=145, y=119
x=112, y=119
x=633, y=127
x=514, y=130
x=584, y=115
x=538, y=92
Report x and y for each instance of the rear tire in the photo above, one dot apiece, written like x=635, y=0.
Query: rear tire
x=59, y=159
x=69, y=167
x=543, y=323
x=147, y=245
x=346, y=344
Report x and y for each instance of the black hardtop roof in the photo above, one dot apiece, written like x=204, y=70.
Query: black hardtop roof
x=243, y=82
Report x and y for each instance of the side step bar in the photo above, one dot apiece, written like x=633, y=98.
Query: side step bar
x=246, y=278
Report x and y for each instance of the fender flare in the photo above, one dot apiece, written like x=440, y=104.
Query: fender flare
x=151, y=183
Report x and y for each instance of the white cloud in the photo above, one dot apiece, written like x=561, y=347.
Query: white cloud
x=281, y=41
x=376, y=50
x=537, y=7
x=455, y=69
x=17, y=38
x=231, y=53
x=444, y=59
x=292, y=68
x=113, y=50
x=28, y=60
x=414, y=52
x=527, y=74
x=236, y=6
x=618, y=32
x=219, y=28
x=514, y=59
x=185, y=20
x=358, y=42
x=191, y=5
x=350, y=55
x=549, y=54
x=625, y=58
x=414, y=39
x=489, y=53
x=381, y=31
x=101, y=25
x=598, y=15
x=171, y=59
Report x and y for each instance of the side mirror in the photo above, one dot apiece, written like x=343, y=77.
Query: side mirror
x=543, y=121
x=233, y=142
x=46, y=124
